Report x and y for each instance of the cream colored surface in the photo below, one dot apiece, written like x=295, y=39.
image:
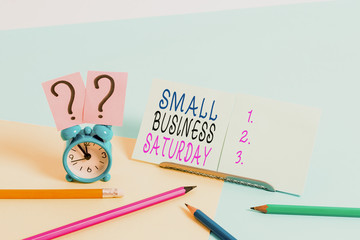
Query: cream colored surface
x=31, y=157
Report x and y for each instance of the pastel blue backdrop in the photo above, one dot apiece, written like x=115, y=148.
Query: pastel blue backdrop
x=305, y=53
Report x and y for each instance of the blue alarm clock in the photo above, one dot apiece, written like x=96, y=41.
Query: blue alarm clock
x=87, y=157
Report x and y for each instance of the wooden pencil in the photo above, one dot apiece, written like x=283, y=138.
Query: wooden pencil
x=308, y=210
x=59, y=193
x=111, y=214
x=210, y=224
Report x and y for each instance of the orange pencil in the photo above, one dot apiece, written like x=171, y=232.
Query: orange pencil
x=59, y=193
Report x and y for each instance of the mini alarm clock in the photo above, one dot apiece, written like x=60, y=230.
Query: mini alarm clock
x=87, y=156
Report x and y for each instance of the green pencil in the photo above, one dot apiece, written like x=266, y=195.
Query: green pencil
x=309, y=210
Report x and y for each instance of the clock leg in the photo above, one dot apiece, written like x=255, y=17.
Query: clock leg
x=106, y=178
x=68, y=178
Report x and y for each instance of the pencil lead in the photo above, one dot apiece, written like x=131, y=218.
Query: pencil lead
x=189, y=188
x=186, y=204
x=252, y=208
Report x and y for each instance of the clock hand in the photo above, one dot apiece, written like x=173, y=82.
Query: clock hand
x=78, y=159
x=86, y=150
x=82, y=149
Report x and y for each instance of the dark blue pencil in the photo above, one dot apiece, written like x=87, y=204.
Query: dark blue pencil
x=210, y=224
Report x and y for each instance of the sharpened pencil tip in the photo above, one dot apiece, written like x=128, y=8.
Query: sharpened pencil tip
x=189, y=188
x=191, y=208
x=186, y=204
x=252, y=208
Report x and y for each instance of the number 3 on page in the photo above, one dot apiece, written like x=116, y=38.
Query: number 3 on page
x=239, y=156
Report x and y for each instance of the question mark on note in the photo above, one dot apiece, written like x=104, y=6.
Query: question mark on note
x=72, y=96
x=108, y=95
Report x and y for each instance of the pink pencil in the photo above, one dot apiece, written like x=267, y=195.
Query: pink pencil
x=117, y=212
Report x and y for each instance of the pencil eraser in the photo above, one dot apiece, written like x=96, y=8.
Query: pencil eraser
x=112, y=193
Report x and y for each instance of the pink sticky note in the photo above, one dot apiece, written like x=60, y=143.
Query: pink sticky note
x=66, y=97
x=105, y=97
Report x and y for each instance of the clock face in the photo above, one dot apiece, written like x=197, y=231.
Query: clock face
x=87, y=160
